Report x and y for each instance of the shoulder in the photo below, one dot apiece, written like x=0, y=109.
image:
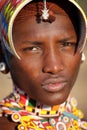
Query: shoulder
x=6, y=124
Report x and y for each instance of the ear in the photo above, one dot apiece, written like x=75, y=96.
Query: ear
x=83, y=58
x=2, y=59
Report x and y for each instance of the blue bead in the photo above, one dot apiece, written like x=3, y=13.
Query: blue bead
x=70, y=115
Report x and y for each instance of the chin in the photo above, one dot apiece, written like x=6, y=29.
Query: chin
x=55, y=101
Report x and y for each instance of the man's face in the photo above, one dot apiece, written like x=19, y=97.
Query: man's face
x=49, y=65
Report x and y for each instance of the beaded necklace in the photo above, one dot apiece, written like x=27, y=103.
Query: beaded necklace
x=32, y=115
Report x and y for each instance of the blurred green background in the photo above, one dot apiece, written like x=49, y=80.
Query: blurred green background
x=83, y=4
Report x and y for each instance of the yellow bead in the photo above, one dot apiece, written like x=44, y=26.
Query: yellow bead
x=52, y=112
x=75, y=124
x=22, y=127
x=69, y=128
x=79, y=129
x=29, y=109
x=49, y=128
x=8, y=105
x=25, y=119
x=21, y=105
x=43, y=112
x=84, y=125
x=79, y=113
x=16, y=117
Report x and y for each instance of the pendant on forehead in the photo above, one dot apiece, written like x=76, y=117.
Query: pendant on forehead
x=45, y=11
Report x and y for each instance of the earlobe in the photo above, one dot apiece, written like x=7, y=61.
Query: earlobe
x=83, y=58
x=3, y=66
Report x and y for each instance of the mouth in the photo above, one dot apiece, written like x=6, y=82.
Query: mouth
x=53, y=85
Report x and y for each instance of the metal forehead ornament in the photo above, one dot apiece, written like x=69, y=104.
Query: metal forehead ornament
x=45, y=11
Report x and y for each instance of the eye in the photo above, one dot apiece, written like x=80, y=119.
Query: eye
x=68, y=44
x=67, y=47
x=31, y=48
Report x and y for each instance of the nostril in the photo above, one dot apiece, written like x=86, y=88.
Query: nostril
x=53, y=67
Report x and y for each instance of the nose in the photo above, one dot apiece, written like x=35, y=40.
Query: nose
x=52, y=63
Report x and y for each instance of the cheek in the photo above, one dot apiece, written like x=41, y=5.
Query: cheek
x=32, y=67
x=73, y=65
x=27, y=70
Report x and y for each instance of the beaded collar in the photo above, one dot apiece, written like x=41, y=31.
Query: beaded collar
x=32, y=115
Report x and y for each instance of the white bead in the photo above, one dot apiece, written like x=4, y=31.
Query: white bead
x=83, y=57
x=2, y=66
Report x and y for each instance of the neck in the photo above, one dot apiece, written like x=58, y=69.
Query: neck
x=31, y=114
x=25, y=101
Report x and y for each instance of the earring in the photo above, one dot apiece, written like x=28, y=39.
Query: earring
x=83, y=57
x=2, y=66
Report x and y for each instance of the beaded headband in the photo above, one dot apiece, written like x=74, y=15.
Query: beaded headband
x=9, y=9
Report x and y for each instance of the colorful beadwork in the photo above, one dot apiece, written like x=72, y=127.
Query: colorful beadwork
x=32, y=115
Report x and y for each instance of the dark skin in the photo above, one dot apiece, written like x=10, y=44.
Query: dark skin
x=49, y=64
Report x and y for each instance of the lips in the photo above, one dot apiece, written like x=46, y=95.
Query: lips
x=54, y=85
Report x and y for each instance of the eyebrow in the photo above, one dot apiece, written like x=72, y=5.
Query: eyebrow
x=33, y=42
x=61, y=40
x=68, y=38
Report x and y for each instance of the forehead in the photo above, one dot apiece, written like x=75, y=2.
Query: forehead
x=27, y=20
x=35, y=10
